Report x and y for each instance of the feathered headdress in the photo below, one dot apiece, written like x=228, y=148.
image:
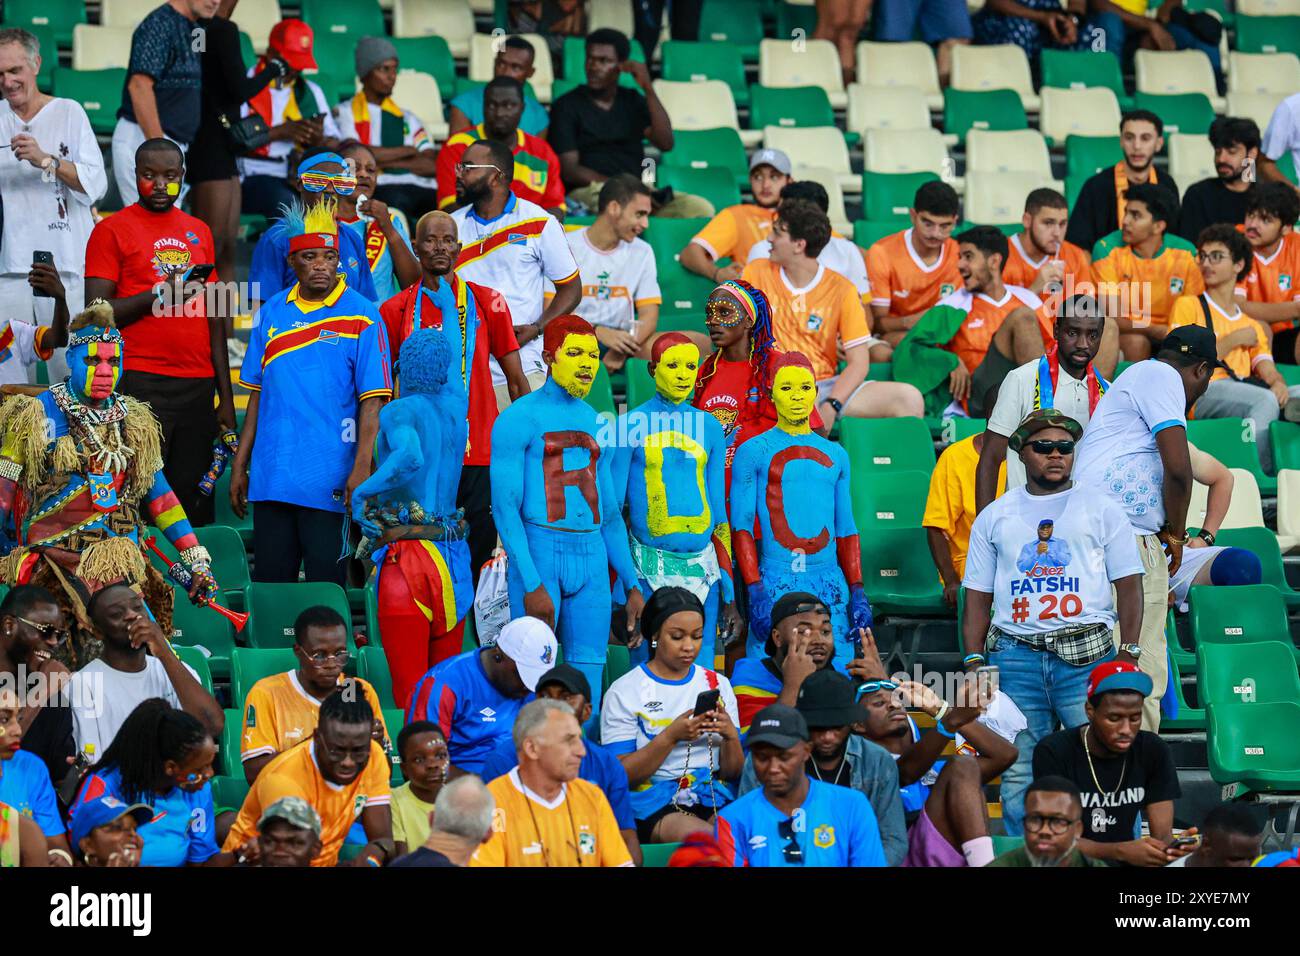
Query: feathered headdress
x=312, y=227
x=94, y=325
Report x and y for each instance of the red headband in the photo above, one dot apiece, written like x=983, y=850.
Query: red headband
x=314, y=240
x=560, y=328
x=667, y=341
x=792, y=360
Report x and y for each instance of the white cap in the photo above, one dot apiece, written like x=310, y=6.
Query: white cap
x=775, y=158
x=531, y=645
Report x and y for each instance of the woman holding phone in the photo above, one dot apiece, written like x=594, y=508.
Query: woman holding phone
x=674, y=725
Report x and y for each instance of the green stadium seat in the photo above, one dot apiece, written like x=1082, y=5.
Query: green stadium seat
x=888, y=444
x=59, y=15
x=684, y=293
x=716, y=185
x=274, y=608
x=728, y=21
x=1001, y=842
x=891, y=499
x=372, y=666
x=1189, y=718
x=1073, y=186
x=640, y=386
x=1285, y=436
x=205, y=631
x=887, y=197
x=1262, y=672
x=229, y=793
x=225, y=515
x=1219, y=8
x=618, y=661
x=394, y=721
x=98, y=91
x=1257, y=745
x=231, y=735
x=690, y=62
x=356, y=18
x=1268, y=34
x=1264, y=543
x=1073, y=69
x=248, y=665
x=229, y=559
x=197, y=661
x=1230, y=441
x=963, y=428
x=709, y=149
x=432, y=55
x=574, y=56
x=362, y=601
x=601, y=396
x=964, y=110
x=49, y=55
x=1236, y=615
x=1181, y=112
x=791, y=17
x=899, y=575
x=867, y=232
x=246, y=51
x=1085, y=155
x=656, y=855
x=790, y=106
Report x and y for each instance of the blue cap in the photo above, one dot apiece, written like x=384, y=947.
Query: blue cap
x=105, y=809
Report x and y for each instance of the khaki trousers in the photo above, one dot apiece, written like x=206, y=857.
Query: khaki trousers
x=1153, y=660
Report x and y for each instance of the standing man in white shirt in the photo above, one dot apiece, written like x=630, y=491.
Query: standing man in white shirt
x=50, y=179
x=1040, y=567
x=1282, y=136
x=513, y=245
x=1135, y=452
x=1064, y=378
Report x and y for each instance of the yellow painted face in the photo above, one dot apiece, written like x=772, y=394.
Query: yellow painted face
x=675, y=373
x=575, y=364
x=793, y=394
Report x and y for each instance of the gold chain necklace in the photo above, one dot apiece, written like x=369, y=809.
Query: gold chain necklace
x=1097, y=783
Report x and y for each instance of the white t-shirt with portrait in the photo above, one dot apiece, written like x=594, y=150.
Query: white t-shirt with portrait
x=1049, y=560
x=1118, y=453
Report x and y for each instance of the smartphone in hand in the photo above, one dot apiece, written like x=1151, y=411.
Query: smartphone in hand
x=707, y=701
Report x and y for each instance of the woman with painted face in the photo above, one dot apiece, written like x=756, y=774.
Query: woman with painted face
x=161, y=757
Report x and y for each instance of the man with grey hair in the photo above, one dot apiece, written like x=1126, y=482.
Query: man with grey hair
x=461, y=821
x=546, y=815
x=50, y=179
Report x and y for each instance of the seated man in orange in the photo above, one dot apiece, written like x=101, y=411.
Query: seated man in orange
x=962, y=349
x=1039, y=259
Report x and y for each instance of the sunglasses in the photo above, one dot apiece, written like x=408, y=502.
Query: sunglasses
x=60, y=634
x=791, y=852
x=871, y=686
x=341, y=183
x=1045, y=447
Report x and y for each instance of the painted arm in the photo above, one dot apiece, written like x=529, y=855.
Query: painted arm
x=848, y=548
x=510, y=437
x=744, y=508
x=612, y=527
x=405, y=460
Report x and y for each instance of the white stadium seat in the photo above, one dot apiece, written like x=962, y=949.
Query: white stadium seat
x=1191, y=158
x=453, y=20
x=886, y=107
x=995, y=199
x=1005, y=151
x=821, y=146
x=418, y=92
x=128, y=13
x=1268, y=8
x=1178, y=71
x=908, y=151
x=1244, y=509
x=785, y=63
x=1256, y=106
x=614, y=14
x=1088, y=112
x=704, y=105
x=100, y=48
x=900, y=64
x=483, y=53
x=257, y=20
x=1263, y=73
x=835, y=211
x=1288, y=508
x=1002, y=66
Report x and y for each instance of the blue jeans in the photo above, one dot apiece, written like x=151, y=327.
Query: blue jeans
x=1117, y=36
x=1049, y=692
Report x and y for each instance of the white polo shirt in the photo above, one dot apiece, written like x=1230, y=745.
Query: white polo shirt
x=515, y=253
x=1016, y=400
x=614, y=283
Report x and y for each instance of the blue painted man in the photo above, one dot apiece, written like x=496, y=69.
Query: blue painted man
x=408, y=509
x=668, y=469
x=555, y=506
x=795, y=484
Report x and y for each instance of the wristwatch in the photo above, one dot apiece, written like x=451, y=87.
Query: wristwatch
x=1181, y=540
x=1206, y=536
x=1132, y=650
x=836, y=404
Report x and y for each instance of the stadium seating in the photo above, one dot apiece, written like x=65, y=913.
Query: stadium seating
x=1263, y=73
x=205, y=630
x=229, y=792
x=99, y=48
x=867, y=232
x=1260, y=672
x=274, y=608
x=1189, y=718
x=737, y=22
x=821, y=146
x=1288, y=509
x=1180, y=112
x=892, y=499
x=1023, y=151
x=1257, y=745
x=356, y=18
x=1084, y=69
x=907, y=151
x=899, y=574
x=1230, y=441
x=791, y=106
x=684, y=293
x=1191, y=158
x=416, y=88
x=372, y=666
x=60, y=15
x=830, y=180
x=1268, y=34
x=1244, y=511
x=125, y=13
x=685, y=62
x=614, y=14
x=964, y=110
x=1175, y=72
x=997, y=67
x=887, y=444
x=640, y=386
x=452, y=20
x=705, y=105
x=886, y=107
x=1085, y=155
x=1264, y=543
x=900, y=64
x=601, y=395
x=257, y=20
x=708, y=149
x=998, y=198
x=809, y=63
x=618, y=661
x=229, y=560
x=888, y=196
x=251, y=664
x=656, y=855
x=483, y=52
x=1250, y=612
x=1285, y=440
x=718, y=186
x=98, y=91
x=432, y=55
x=197, y=661
x=228, y=759
x=1086, y=112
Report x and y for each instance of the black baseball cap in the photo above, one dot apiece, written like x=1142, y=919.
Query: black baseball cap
x=1194, y=340
x=568, y=677
x=788, y=605
x=826, y=700
x=779, y=726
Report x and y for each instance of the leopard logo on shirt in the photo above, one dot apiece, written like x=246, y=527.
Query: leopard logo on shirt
x=170, y=256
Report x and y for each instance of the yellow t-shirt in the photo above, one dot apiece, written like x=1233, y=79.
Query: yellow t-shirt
x=734, y=231
x=295, y=773
x=1135, y=7
x=410, y=817
x=279, y=714
x=902, y=281
x=951, y=504
x=1161, y=280
x=578, y=829
x=1242, y=361
x=810, y=320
